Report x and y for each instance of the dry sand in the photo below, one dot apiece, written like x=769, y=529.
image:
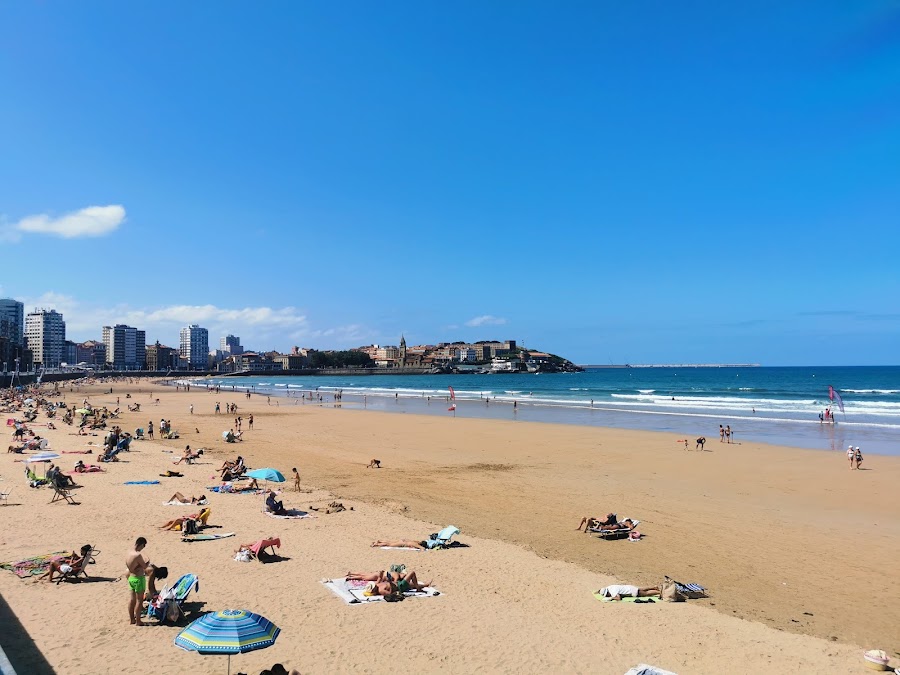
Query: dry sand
x=799, y=552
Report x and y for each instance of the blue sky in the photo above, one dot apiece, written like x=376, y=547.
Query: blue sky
x=612, y=181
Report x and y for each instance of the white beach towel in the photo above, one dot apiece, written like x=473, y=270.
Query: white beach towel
x=292, y=514
x=351, y=592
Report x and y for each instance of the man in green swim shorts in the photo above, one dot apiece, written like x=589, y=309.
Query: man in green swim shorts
x=137, y=581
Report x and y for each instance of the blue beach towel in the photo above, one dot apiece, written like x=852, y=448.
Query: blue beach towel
x=142, y=482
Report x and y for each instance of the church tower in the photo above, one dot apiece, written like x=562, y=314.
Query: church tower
x=402, y=352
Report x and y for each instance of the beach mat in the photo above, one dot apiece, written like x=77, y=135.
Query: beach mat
x=644, y=669
x=32, y=566
x=351, y=592
x=142, y=482
x=290, y=515
x=207, y=537
x=643, y=601
x=232, y=491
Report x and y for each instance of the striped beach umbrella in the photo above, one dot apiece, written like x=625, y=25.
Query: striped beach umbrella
x=228, y=631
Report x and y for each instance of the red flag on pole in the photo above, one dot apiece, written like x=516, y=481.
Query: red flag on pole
x=452, y=394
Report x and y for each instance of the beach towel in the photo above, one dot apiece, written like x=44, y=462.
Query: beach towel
x=32, y=566
x=644, y=669
x=399, y=548
x=603, y=598
x=291, y=513
x=142, y=482
x=230, y=489
x=263, y=544
x=175, y=502
x=351, y=592
x=207, y=537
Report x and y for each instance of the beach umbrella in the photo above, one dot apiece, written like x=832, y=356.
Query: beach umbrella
x=43, y=457
x=228, y=631
x=273, y=475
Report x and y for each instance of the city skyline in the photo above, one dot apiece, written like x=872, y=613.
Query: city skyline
x=638, y=183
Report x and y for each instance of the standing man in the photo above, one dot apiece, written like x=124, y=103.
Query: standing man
x=137, y=581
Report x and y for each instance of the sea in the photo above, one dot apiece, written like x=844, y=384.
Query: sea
x=764, y=404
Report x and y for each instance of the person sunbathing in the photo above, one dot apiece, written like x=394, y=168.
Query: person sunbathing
x=81, y=467
x=181, y=499
x=400, y=543
x=590, y=522
x=403, y=582
x=189, y=455
x=627, y=524
x=274, y=506
x=178, y=523
x=75, y=562
x=619, y=591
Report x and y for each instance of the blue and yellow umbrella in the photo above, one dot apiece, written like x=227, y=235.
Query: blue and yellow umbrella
x=228, y=631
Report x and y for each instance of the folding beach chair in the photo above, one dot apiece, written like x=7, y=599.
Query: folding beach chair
x=60, y=494
x=4, y=496
x=168, y=604
x=78, y=570
x=442, y=538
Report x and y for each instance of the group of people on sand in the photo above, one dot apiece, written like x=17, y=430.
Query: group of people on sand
x=609, y=523
x=390, y=584
x=854, y=455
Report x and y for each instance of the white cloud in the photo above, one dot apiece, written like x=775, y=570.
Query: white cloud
x=485, y=320
x=258, y=327
x=93, y=221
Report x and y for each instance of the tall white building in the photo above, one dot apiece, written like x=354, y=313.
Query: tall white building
x=126, y=347
x=195, y=346
x=231, y=344
x=13, y=312
x=45, y=336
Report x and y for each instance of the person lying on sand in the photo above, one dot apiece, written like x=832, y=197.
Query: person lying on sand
x=400, y=543
x=181, y=499
x=590, y=522
x=619, y=591
x=406, y=581
x=81, y=467
x=627, y=524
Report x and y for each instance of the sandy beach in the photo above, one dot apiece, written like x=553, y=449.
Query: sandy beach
x=798, y=552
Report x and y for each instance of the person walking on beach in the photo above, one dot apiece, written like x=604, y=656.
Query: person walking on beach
x=137, y=581
x=192, y=408
x=721, y=434
x=250, y=422
x=859, y=457
x=218, y=409
x=851, y=456
x=728, y=434
x=150, y=430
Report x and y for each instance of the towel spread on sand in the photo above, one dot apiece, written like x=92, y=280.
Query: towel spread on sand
x=207, y=537
x=399, y=548
x=290, y=514
x=603, y=598
x=32, y=566
x=229, y=489
x=142, y=482
x=351, y=592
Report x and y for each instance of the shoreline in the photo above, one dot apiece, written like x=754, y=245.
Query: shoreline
x=739, y=522
x=810, y=434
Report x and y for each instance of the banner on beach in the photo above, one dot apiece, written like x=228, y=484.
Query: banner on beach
x=452, y=394
x=835, y=397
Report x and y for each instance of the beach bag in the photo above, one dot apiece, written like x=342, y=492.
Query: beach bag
x=243, y=556
x=669, y=592
x=190, y=526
